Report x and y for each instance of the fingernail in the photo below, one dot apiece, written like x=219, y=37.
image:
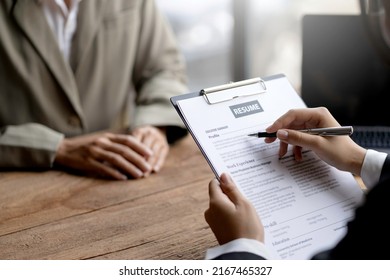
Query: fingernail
x=156, y=168
x=225, y=178
x=139, y=173
x=282, y=134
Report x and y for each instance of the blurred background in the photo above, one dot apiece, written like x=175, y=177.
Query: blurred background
x=231, y=40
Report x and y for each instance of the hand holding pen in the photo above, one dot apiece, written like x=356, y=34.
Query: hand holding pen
x=340, y=152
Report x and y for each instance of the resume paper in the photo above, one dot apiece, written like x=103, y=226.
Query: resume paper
x=304, y=206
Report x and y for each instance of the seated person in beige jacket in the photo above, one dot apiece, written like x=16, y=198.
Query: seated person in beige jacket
x=85, y=86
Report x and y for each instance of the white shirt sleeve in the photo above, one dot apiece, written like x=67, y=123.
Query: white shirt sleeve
x=372, y=167
x=239, y=245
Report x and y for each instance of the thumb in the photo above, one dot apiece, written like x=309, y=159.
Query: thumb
x=230, y=189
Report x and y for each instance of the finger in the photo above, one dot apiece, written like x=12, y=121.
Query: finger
x=138, y=134
x=297, y=151
x=149, y=138
x=215, y=189
x=160, y=148
x=132, y=143
x=270, y=139
x=299, y=138
x=151, y=135
x=152, y=143
x=145, y=136
x=230, y=189
x=116, y=160
x=160, y=157
x=220, y=204
x=148, y=135
x=218, y=197
x=159, y=145
x=104, y=170
x=283, y=148
x=124, y=151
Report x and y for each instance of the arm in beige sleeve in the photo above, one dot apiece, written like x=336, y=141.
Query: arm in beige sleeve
x=28, y=146
x=160, y=73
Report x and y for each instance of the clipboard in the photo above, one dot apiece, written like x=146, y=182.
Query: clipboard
x=215, y=95
x=220, y=124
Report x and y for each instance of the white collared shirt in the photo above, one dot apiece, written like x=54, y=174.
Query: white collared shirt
x=63, y=22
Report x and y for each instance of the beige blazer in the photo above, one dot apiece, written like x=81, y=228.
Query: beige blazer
x=124, y=67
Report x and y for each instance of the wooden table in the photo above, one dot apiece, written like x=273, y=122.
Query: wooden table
x=55, y=215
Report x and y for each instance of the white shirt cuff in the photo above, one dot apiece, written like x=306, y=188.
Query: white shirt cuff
x=372, y=167
x=239, y=245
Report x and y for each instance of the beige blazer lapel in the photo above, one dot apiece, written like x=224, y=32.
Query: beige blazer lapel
x=30, y=17
x=88, y=24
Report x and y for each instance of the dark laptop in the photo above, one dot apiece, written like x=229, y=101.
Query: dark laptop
x=342, y=71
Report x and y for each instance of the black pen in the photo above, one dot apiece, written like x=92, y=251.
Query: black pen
x=328, y=131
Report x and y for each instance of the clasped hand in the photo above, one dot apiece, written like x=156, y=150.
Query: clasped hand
x=116, y=156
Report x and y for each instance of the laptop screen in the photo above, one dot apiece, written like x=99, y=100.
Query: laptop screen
x=342, y=71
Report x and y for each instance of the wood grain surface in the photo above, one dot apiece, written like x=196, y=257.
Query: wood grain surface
x=57, y=215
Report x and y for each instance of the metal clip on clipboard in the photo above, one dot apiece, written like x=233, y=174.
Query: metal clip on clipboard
x=229, y=91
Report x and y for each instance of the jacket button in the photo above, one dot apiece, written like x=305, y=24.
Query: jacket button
x=74, y=121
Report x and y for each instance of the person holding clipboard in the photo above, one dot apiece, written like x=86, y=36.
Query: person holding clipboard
x=238, y=228
x=234, y=220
